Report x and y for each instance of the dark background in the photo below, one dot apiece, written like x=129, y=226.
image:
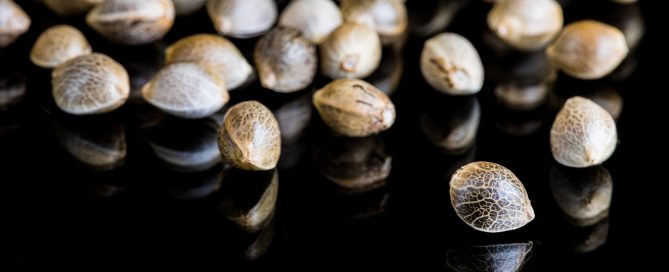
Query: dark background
x=55, y=214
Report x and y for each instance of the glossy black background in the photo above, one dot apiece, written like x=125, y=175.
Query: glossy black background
x=52, y=220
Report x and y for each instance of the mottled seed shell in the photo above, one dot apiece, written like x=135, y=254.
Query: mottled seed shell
x=584, y=195
x=451, y=64
x=186, y=90
x=57, y=45
x=242, y=18
x=354, y=108
x=388, y=17
x=132, y=22
x=187, y=7
x=501, y=258
x=71, y=7
x=490, y=198
x=286, y=61
x=249, y=198
x=583, y=134
x=13, y=22
x=526, y=24
x=316, y=19
x=351, y=51
x=214, y=51
x=250, y=138
x=588, y=49
x=90, y=84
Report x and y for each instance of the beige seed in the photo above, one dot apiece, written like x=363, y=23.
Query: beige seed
x=583, y=134
x=186, y=90
x=286, y=61
x=526, y=24
x=132, y=22
x=451, y=64
x=584, y=195
x=388, y=17
x=90, y=84
x=588, y=49
x=316, y=19
x=57, y=45
x=71, y=7
x=187, y=7
x=250, y=138
x=354, y=108
x=13, y=22
x=216, y=52
x=242, y=18
x=351, y=51
x=490, y=198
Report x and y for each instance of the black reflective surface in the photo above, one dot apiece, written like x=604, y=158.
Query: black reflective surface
x=139, y=189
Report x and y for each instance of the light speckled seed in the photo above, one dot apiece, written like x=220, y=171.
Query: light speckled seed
x=316, y=19
x=214, y=51
x=584, y=195
x=588, y=49
x=242, y=18
x=132, y=22
x=90, y=84
x=490, y=198
x=186, y=90
x=451, y=64
x=388, y=17
x=57, y=45
x=501, y=257
x=187, y=7
x=583, y=134
x=351, y=51
x=354, y=108
x=526, y=24
x=286, y=61
x=250, y=138
x=13, y=22
x=71, y=7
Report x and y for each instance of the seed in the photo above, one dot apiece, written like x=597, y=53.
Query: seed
x=584, y=195
x=583, y=134
x=71, y=7
x=249, y=198
x=490, y=198
x=452, y=125
x=132, y=22
x=526, y=24
x=99, y=143
x=316, y=19
x=354, y=108
x=451, y=64
x=185, y=145
x=355, y=164
x=216, y=52
x=351, y=51
x=57, y=45
x=250, y=138
x=388, y=17
x=242, y=18
x=286, y=61
x=187, y=7
x=186, y=90
x=588, y=49
x=90, y=84
x=13, y=22
x=501, y=257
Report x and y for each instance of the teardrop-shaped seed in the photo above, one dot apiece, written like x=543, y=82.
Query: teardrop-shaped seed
x=57, y=45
